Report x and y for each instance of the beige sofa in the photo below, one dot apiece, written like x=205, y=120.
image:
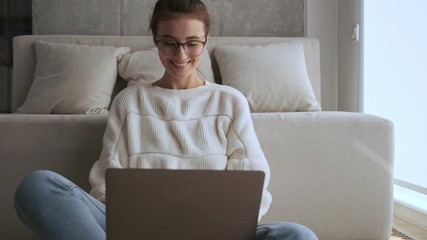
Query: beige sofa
x=331, y=171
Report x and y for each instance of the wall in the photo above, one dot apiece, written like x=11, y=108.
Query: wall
x=4, y=80
x=322, y=24
x=348, y=59
x=131, y=17
x=332, y=22
x=15, y=19
x=5, y=73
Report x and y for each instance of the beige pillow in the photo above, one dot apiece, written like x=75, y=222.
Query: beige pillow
x=72, y=78
x=144, y=67
x=273, y=77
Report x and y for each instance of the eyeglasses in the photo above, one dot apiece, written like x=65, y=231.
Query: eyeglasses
x=192, y=48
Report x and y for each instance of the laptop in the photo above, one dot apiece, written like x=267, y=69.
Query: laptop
x=182, y=204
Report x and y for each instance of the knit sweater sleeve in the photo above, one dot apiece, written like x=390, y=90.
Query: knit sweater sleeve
x=244, y=151
x=114, y=153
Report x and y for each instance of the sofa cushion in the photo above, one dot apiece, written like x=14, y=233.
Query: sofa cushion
x=71, y=78
x=144, y=67
x=272, y=77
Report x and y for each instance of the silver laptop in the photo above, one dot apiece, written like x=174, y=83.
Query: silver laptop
x=182, y=204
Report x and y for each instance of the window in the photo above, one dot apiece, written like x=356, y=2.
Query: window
x=395, y=87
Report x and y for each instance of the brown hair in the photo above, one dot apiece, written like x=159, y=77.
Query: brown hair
x=168, y=9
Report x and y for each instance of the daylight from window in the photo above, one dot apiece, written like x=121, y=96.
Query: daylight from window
x=395, y=80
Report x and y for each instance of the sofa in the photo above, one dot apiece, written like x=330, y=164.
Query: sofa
x=331, y=171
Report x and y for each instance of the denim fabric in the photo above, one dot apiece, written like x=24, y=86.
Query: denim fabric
x=55, y=208
x=284, y=230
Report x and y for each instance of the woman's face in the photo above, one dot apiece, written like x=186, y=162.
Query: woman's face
x=179, y=65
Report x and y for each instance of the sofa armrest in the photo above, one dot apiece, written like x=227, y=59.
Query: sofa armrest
x=67, y=144
x=332, y=171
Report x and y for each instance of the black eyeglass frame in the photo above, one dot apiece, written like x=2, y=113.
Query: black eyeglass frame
x=178, y=44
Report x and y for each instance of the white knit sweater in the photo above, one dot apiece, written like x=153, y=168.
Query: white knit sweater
x=207, y=127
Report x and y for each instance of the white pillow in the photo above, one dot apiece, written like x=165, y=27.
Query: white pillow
x=273, y=77
x=72, y=78
x=144, y=67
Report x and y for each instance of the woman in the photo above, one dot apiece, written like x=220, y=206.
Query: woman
x=179, y=122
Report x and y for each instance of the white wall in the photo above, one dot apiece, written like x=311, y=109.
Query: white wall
x=332, y=21
x=322, y=24
x=349, y=60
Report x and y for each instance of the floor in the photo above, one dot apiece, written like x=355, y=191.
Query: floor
x=409, y=229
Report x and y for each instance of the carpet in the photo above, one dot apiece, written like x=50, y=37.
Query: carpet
x=396, y=235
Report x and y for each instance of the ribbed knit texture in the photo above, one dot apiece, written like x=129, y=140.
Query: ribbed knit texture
x=207, y=127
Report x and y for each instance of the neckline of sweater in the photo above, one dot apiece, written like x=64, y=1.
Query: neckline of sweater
x=181, y=92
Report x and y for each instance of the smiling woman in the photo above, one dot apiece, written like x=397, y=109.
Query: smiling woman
x=180, y=30
x=180, y=42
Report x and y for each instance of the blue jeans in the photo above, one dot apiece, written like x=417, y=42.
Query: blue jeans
x=55, y=208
